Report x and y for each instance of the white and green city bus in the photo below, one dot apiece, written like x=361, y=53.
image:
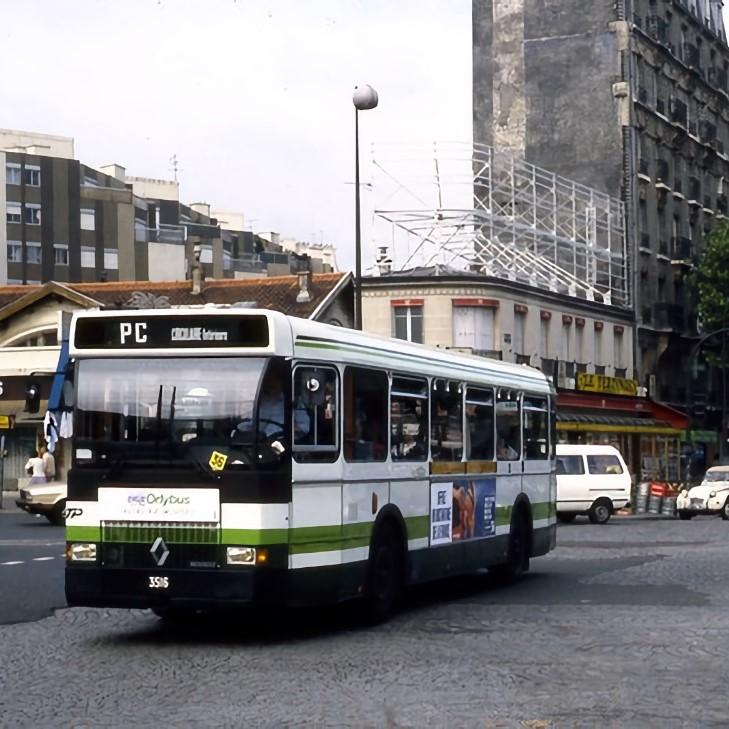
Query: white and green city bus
x=231, y=457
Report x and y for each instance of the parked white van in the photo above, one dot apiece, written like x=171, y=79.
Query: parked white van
x=592, y=480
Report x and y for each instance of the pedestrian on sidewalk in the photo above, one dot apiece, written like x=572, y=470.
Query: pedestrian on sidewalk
x=49, y=463
x=34, y=467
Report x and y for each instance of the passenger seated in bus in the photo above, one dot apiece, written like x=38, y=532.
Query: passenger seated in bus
x=480, y=433
x=506, y=452
x=271, y=408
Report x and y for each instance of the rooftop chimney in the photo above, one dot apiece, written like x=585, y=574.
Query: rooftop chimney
x=197, y=275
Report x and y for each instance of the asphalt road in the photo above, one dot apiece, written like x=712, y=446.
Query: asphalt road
x=31, y=567
x=623, y=625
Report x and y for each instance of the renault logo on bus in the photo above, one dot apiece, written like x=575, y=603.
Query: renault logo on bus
x=159, y=551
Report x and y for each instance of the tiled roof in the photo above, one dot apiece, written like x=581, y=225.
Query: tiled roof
x=274, y=292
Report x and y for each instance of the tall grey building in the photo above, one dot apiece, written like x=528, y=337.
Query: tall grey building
x=629, y=97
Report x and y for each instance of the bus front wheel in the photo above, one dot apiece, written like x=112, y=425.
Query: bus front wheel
x=385, y=574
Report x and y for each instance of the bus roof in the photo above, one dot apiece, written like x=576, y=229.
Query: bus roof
x=203, y=331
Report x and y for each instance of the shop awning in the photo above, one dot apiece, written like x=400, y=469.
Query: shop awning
x=54, y=399
x=614, y=424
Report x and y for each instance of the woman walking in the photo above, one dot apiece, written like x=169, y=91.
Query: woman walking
x=34, y=467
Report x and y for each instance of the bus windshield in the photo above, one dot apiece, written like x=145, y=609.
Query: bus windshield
x=181, y=402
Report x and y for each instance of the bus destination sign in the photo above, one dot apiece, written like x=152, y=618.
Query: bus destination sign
x=171, y=332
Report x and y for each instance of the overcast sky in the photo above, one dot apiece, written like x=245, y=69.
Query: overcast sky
x=253, y=96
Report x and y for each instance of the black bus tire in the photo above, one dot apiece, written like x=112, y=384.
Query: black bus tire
x=385, y=574
x=519, y=540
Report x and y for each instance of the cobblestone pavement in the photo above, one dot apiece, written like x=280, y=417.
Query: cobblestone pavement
x=624, y=625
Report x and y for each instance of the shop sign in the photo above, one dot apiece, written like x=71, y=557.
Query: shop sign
x=604, y=384
x=703, y=436
x=5, y=422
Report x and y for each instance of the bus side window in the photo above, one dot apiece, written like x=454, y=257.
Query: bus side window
x=409, y=419
x=365, y=415
x=446, y=421
x=316, y=414
x=536, y=428
x=479, y=424
x=508, y=425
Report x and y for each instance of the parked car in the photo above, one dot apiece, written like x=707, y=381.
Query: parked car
x=47, y=499
x=711, y=496
x=592, y=480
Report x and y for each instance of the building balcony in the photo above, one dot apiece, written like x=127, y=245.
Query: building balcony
x=682, y=250
x=669, y=316
x=523, y=359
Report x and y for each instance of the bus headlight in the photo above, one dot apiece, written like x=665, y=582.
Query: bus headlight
x=246, y=555
x=240, y=555
x=84, y=552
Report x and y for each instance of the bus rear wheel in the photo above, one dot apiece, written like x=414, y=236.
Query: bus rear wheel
x=385, y=575
x=518, y=560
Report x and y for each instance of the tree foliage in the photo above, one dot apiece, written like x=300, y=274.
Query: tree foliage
x=710, y=280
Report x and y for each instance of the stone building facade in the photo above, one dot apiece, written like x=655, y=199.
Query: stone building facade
x=630, y=98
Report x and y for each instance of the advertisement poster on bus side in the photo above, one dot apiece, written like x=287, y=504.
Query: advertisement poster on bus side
x=441, y=513
x=463, y=509
x=474, y=509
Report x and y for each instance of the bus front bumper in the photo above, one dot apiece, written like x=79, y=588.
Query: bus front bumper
x=199, y=589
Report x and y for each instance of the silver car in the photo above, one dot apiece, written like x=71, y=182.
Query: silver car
x=47, y=499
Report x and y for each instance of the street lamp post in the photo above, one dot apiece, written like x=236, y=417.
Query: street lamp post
x=364, y=97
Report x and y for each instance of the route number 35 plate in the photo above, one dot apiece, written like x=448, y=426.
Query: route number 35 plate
x=158, y=583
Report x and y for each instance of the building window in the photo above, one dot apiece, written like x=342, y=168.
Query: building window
x=88, y=257
x=206, y=254
x=32, y=175
x=13, y=212
x=88, y=219
x=618, y=353
x=579, y=344
x=408, y=323
x=111, y=259
x=566, y=355
x=517, y=340
x=60, y=254
x=15, y=251
x=473, y=327
x=12, y=174
x=33, y=252
x=544, y=337
x=32, y=214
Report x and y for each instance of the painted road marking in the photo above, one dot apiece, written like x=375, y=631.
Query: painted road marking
x=9, y=563
x=42, y=559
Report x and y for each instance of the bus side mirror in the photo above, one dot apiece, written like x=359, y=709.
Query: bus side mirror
x=32, y=398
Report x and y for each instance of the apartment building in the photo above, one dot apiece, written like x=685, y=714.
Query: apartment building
x=68, y=222
x=629, y=98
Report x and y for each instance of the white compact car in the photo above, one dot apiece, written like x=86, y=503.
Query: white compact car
x=592, y=480
x=48, y=499
x=711, y=496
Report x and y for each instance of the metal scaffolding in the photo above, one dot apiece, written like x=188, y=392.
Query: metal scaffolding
x=453, y=206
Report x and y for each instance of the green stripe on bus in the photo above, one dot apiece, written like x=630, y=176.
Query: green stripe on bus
x=543, y=510
x=83, y=534
x=418, y=526
x=254, y=537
